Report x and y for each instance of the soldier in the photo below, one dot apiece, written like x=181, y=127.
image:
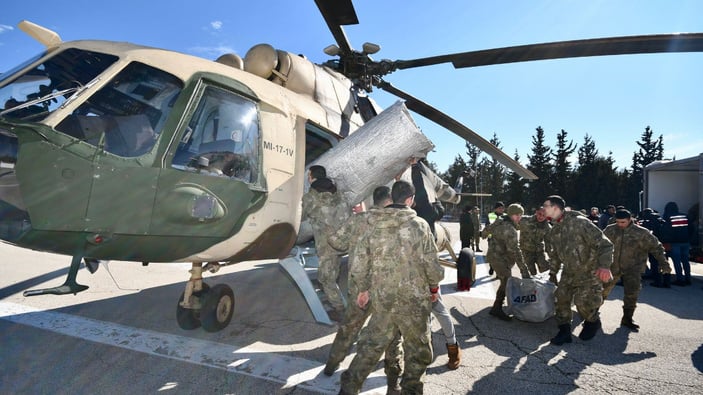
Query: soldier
x=466, y=227
x=476, y=222
x=532, y=231
x=401, y=283
x=504, y=252
x=344, y=239
x=497, y=212
x=632, y=244
x=579, y=248
x=325, y=210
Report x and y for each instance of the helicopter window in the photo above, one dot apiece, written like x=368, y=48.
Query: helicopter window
x=129, y=111
x=35, y=93
x=317, y=142
x=222, y=138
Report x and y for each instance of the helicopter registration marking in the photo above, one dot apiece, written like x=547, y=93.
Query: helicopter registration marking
x=278, y=148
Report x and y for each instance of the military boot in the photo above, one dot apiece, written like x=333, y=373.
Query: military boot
x=454, y=353
x=497, y=311
x=589, y=329
x=627, y=319
x=564, y=335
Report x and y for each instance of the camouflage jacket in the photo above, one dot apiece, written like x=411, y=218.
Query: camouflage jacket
x=400, y=258
x=632, y=246
x=505, y=246
x=346, y=238
x=532, y=233
x=325, y=211
x=578, y=247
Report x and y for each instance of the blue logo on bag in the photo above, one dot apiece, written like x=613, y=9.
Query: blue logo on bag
x=525, y=298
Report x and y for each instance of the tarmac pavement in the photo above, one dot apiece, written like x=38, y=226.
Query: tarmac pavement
x=120, y=336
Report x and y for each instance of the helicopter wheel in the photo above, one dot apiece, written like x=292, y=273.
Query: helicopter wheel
x=189, y=319
x=218, y=308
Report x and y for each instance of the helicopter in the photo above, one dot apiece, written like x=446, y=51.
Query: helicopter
x=116, y=151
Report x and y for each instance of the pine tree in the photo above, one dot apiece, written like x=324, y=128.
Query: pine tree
x=539, y=164
x=515, y=191
x=561, y=177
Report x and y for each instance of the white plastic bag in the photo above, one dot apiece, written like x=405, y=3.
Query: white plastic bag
x=531, y=299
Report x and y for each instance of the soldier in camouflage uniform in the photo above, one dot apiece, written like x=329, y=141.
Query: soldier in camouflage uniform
x=532, y=231
x=402, y=282
x=632, y=244
x=476, y=222
x=504, y=252
x=344, y=239
x=585, y=255
x=325, y=210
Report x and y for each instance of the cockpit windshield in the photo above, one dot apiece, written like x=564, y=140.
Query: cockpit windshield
x=34, y=94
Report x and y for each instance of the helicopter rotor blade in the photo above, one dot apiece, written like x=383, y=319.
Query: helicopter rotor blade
x=457, y=128
x=658, y=43
x=337, y=13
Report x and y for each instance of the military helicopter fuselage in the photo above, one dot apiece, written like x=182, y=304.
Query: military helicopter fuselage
x=118, y=151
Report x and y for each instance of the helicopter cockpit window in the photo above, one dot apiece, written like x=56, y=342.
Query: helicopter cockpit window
x=33, y=94
x=126, y=116
x=222, y=138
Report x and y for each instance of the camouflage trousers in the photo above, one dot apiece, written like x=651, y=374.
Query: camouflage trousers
x=632, y=282
x=536, y=261
x=327, y=275
x=586, y=295
x=503, y=270
x=382, y=328
x=348, y=332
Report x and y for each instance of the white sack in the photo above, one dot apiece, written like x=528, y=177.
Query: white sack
x=375, y=153
x=530, y=299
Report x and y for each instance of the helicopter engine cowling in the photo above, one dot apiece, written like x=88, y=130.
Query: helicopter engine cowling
x=283, y=68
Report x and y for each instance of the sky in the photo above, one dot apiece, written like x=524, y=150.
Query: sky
x=612, y=99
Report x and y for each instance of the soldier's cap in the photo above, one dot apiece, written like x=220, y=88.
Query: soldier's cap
x=623, y=214
x=515, y=209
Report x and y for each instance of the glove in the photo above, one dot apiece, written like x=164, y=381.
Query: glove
x=553, y=278
x=526, y=275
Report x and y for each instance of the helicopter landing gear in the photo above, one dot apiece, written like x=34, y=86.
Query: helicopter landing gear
x=201, y=305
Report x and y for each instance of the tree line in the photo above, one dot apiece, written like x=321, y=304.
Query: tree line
x=592, y=180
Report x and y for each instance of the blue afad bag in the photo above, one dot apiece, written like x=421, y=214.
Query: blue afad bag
x=531, y=299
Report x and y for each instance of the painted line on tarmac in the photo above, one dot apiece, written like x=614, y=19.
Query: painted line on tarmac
x=288, y=371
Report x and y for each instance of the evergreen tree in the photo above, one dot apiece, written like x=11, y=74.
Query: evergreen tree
x=539, y=164
x=455, y=170
x=561, y=177
x=495, y=175
x=515, y=187
x=650, y=150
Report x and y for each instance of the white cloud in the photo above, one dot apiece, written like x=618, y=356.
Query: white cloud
x=217, y=25
x=5, y=28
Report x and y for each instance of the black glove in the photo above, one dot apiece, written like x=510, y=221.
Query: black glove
x=553, y=278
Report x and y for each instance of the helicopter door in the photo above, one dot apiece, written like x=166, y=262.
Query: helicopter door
x=214, y=175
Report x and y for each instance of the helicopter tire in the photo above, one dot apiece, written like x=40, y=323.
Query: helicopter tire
x=189, y=319
x=218, y=308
